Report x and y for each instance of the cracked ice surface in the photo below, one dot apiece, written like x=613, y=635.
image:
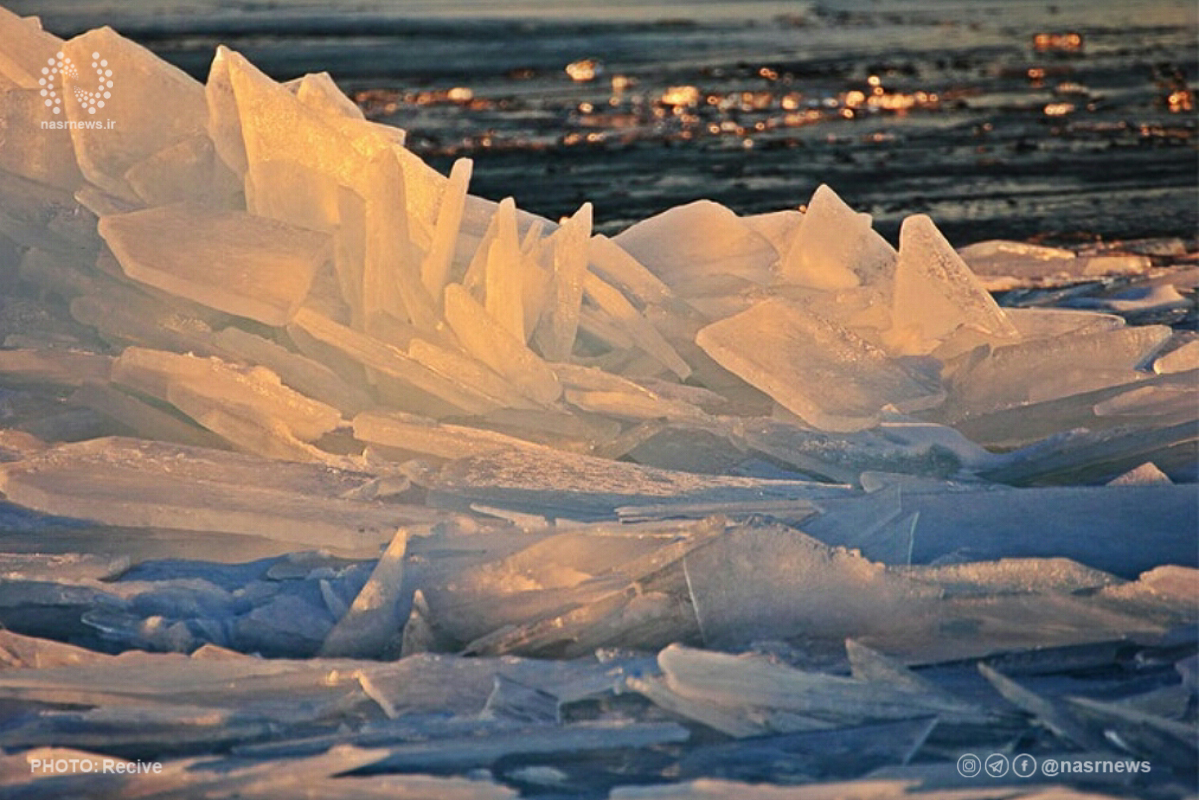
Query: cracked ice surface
x=326, y=477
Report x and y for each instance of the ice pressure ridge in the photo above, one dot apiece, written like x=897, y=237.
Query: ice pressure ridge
x=364, y=414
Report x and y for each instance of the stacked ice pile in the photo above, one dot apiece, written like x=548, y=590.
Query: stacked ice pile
x=251, y=343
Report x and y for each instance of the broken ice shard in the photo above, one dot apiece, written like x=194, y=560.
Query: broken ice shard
x=145, y=128
x=228, y=260
x=485, y=338
x=371, y=627
x=685, y=245
x=836, y=248
x=774, y=582
x=1047, y=369
x=211, y=384
x=569, y=486
x=27, y=48
x=935, y=292
x=753, y=680
x=147, y=484
x=826, y=375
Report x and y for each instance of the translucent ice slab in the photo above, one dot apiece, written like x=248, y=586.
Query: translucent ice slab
x=372, y=626
x=198, y=386
x=1103, y=527
x=586, y=487
x=146, y=484
x=697, y=240
x=816, y=369
x=836, y=248
x=232, y=261
x=27, y=48
x=1049, y=369
x=936, y=293
x=46, y=156
x=755, y=681
x=760, y=582
x=157, y=106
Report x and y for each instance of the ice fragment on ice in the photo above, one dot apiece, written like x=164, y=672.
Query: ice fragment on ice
x=1044, y=370
x=1146, y=734
x=435, y=268
x=372, y=626
x=23, y=652
x=53, y=367
x=586, y=487
x=504, y=287
x=512, y=700
x=875, y=525
x=301, y=373
x=1123, y=539
x=1000, y=257
x=318, y=91
x=1138, y=476
x=1180, y=359
x=421, y=436
x=27, y=48
x=1050, y=712
x=593, y=389
x=777, y=227
x=254, y=393
x=146, y=420
x=935, y=292
x=697, y=240
x=1028, y=424
x=485, y=339
x=223, y=118
x=729, y=720
x=188, y=170
x=157, y=106
x=475, y=375
x=1163, y=401
x=1135, y=300
x=126, y=316
x=755, y=681
x=135, y=483
x=836, y=248
x=771, y=582
x=391, y=269
x=643, y=334
x=559, y=324
x=228, y=260
x=614, y=264
x=1046, y=323
x=1093, y=457
x=401, y=379
x=904, y=446
x=275, y=124
x=825, y=374
x=39, y=154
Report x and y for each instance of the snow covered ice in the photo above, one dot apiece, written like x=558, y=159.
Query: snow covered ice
x=323, y=474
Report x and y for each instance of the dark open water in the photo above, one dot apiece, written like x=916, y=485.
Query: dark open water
x=948, y=107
